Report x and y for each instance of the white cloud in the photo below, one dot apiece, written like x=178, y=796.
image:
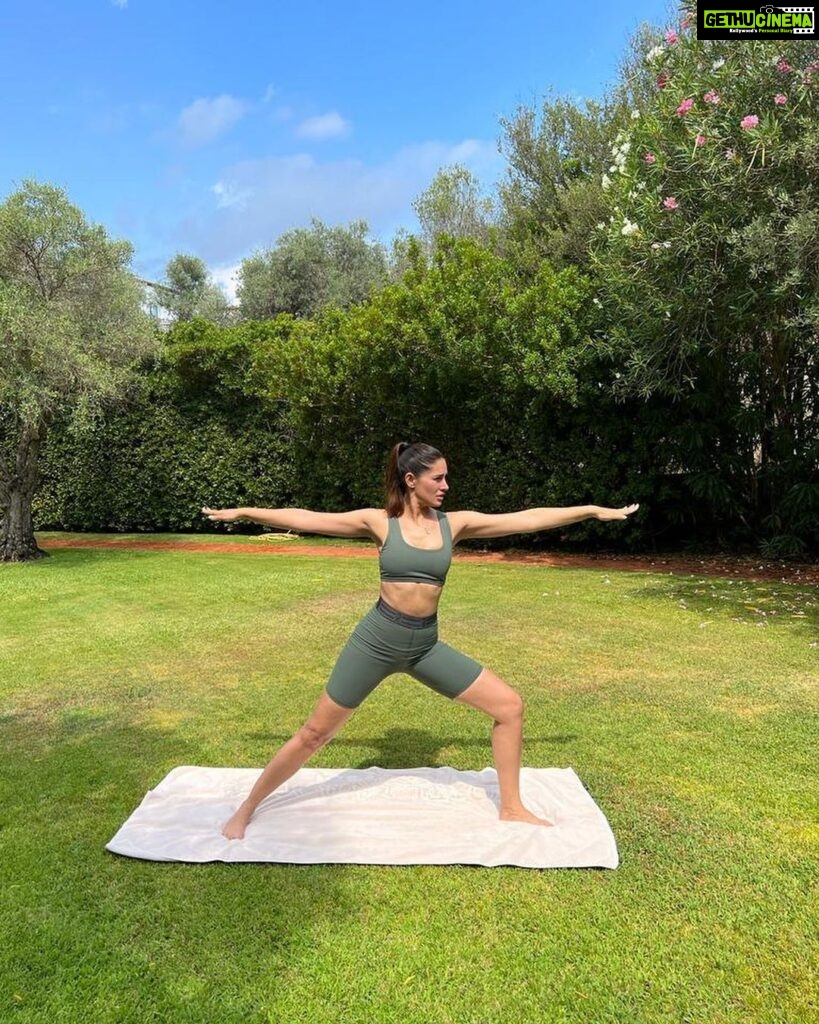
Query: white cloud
x=325, y=126
x=205, y=120
x=228, y=195
x=257, y=200
x=122, y=4
x=227, y=277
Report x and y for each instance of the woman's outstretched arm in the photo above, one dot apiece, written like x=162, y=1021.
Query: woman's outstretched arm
x=466, y=525
x=333, y=524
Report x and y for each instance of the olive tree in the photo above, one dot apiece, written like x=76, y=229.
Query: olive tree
x=71, y=329
x=311, y=269
x=453, y=205
x=189, y=291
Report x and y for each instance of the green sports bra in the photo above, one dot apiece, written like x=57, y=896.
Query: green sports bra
x=400, y=562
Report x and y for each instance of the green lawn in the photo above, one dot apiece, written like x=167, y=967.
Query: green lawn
x=687, y=706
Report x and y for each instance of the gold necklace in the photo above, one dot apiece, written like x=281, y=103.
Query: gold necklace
x=426, y=529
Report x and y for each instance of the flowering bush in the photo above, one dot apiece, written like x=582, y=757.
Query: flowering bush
x=714, y=288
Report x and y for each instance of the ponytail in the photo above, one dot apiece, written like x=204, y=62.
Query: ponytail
x=405, y=458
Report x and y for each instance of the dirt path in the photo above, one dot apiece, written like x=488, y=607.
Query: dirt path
x=741, y=567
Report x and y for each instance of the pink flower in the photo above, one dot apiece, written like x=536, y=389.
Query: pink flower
x=712, y=97
x=670, y=203
x=700, y=140
x=784, y=67
x=780, y=99
x=650, y=158
x=684, y=24
x=662, y=80
x=671, y=37
x=751, y=121
x=684, y=107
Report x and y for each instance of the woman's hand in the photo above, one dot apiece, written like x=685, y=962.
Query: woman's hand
x=222, y=515
x=608, y=514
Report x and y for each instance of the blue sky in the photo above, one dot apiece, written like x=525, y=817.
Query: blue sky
x=211, y=128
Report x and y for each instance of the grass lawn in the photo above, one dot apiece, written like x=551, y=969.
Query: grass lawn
x=687, y=706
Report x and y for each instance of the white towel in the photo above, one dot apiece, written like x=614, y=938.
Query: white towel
x=370, y=816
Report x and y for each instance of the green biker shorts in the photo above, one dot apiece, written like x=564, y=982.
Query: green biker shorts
x=387, y=641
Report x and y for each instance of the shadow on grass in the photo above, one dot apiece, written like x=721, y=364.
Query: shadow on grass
x=146, y=940
x=143, y=934
x=766, y=604
x=409, y=748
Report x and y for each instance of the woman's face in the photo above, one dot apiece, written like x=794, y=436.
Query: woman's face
x=431, y=486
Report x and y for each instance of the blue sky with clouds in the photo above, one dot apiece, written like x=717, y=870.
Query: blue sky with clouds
x=211, y=128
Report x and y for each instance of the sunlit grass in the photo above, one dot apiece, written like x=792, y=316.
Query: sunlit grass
x=686, y=705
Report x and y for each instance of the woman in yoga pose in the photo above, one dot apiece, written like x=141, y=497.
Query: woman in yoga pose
x=400, y=632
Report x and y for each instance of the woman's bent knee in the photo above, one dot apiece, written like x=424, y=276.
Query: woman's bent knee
x=515, y=705
x=492, y=695
x=508, y=708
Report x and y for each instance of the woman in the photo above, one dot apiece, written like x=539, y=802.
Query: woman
x=400, y=633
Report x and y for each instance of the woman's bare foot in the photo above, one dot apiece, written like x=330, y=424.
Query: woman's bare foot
x=236, y=826
x=521, y=814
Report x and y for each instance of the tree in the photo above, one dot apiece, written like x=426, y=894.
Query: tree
x=453, y=206
x=551, y=198
x=71, y=329
x=707, y=263
x=311, y=269
x=188, y=291
x=486, y=364
x=407, y=253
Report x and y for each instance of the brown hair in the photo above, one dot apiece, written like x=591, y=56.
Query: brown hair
x=405, y=458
